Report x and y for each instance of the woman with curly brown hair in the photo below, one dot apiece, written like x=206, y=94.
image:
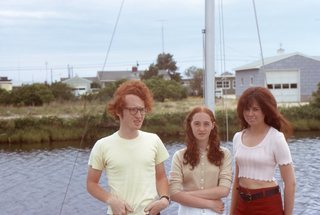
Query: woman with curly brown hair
x=201, y=173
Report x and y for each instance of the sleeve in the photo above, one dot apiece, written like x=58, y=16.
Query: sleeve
x=162, y=152
x=225, y=176
x=96, y=160
x=235, y=143
x=176, y=174
x=281, y=150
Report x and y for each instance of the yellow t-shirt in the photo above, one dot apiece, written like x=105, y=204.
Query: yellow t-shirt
x=130, y=167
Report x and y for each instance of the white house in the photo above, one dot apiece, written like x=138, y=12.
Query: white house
x=80, y=86
x=5, y=83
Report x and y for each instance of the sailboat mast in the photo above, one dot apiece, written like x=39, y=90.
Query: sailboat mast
x=209, y=79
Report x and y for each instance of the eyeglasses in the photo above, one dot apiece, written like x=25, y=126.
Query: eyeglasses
x=134, y=110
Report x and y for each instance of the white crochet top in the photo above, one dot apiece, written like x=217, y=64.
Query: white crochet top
x=259, y=162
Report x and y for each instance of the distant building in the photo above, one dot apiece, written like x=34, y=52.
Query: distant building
x=80, y=86
x=83, y=85
x=106, y=77
x=164, y=73
x=5, y=83
x=225, y=84
x=290, y=77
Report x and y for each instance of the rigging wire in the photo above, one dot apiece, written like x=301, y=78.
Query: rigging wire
x=223, y=65
x=260, y=45
x=112, y=36
x=88, y=117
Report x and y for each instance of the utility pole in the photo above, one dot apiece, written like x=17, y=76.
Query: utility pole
x=46, y=71
x=51, y=75
x=162, y=34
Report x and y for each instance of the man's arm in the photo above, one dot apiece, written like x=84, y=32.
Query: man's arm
x=93, y=187
x=163, y=190
x=161, y=180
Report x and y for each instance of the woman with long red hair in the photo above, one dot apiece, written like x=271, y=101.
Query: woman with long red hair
x=201, y=173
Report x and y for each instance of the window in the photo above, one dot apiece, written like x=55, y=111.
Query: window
x=242, y=82
x=293, y=86
x=225, y=84
x=285, y=86
x=270, y=86
x=234, y=84
x=219, y=84
x=277, y=86
x=251, y=80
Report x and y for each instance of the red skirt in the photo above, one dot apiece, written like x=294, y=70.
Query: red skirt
x=263, y=201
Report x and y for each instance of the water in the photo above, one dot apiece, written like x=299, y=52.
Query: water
x=34, y=179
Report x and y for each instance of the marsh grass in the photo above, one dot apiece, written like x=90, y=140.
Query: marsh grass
x=80, y=108
x=87, y=121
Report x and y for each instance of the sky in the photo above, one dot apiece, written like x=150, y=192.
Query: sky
x=45, y=40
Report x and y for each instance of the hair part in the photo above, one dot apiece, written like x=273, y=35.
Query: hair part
x=192, y=154
x=268, y=105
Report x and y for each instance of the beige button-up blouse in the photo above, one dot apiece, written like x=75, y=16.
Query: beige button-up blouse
x=204, y=175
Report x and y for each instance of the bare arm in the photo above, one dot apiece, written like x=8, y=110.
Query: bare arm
x=93, y=187
x=289, y=179
x=235, y=196
x=163, y=190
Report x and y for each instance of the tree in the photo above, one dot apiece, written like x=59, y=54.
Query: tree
x=166, y=89
x=149, y=73
x=4, y=97
x=315, y=99
x=107, y=92
x=165, y=62
x=32, y=95
x=62, y=91
x=196, y=83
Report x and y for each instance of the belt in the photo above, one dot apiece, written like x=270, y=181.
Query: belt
x=266, y=193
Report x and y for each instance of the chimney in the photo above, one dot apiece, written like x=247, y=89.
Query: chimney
x=134, y=69
x=280, y=50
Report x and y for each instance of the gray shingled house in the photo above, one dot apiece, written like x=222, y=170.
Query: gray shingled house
x=290, y=77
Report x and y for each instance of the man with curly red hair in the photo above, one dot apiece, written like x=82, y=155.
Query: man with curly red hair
x=133, y=159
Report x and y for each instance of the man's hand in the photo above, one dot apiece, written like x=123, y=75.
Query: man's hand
x=155, y=207
x=119, y=206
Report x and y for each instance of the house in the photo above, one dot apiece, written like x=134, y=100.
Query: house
x=225, y=84
x=106, y=77
x=5, y=83
x=290, y=77
x=80, y=86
